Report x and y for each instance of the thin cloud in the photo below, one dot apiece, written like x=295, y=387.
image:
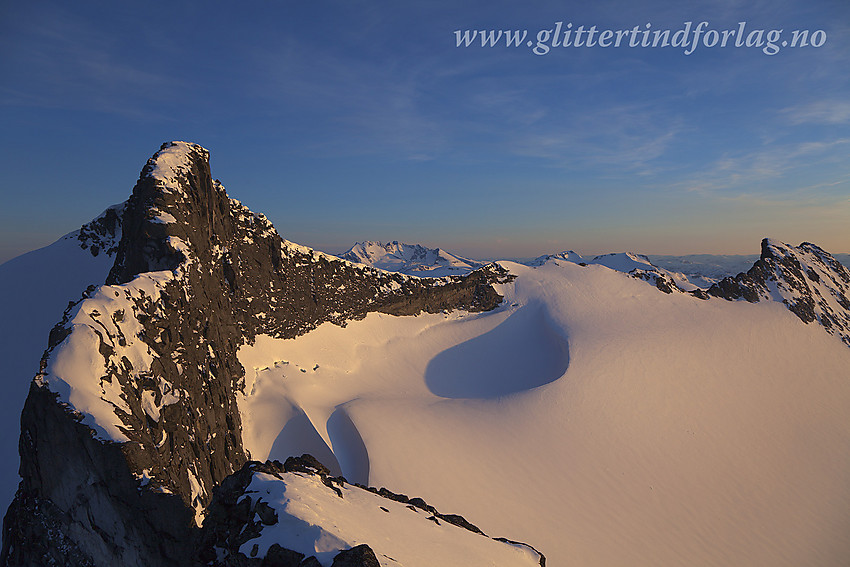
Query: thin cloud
x=755, y=167
x=628, y=138
x=820, y=112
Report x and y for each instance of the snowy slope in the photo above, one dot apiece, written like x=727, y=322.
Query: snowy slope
x=567, y=255
x=298, y=506
x=636, y=265
x=34, y=290
x=411, y=259
x=400, y=534
x=640, y=266
x=623, y=262
x=593, y=417
x=87, y=381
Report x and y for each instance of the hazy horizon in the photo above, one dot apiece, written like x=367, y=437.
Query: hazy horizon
x=843, y=257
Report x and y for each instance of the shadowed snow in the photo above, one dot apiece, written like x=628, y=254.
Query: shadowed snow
x=496, y=363
x=348, y=447
x=299, y=436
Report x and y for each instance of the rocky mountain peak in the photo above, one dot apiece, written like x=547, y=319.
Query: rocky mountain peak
x=136, y=395
x=176, y=211
x=807, y=279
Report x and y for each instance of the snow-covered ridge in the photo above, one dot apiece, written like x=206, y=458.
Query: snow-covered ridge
x=411, y=259
x=567, y=255
x=806, y=279
x=104, y=357
x=289, y=506
x=623, y=261
x=810, y=282
x=636, y=265
x=401, y=534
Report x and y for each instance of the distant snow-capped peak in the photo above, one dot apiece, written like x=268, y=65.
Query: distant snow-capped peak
x=567, y=255
x=411, y=259
x=635, y=265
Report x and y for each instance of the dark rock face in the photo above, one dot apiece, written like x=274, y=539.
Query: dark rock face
x=307, y=464
x=233, y=520
x=811, y=283
x=230, y=277
x=103, y=233
x=359, y=556
x=663, y=282
x=235, y=517
x=109, y=520
x=281, y=557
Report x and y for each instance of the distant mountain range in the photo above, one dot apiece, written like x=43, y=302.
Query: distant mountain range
x=698, y=270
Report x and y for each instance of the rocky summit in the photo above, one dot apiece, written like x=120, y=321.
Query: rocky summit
x=132, y=423
x=806, y=279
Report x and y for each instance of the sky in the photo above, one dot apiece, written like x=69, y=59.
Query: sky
x=361, y=120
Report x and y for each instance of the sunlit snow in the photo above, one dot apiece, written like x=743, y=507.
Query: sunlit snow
x=652, y=429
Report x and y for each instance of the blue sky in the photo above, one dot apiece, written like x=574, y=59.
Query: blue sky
x=346, y=121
